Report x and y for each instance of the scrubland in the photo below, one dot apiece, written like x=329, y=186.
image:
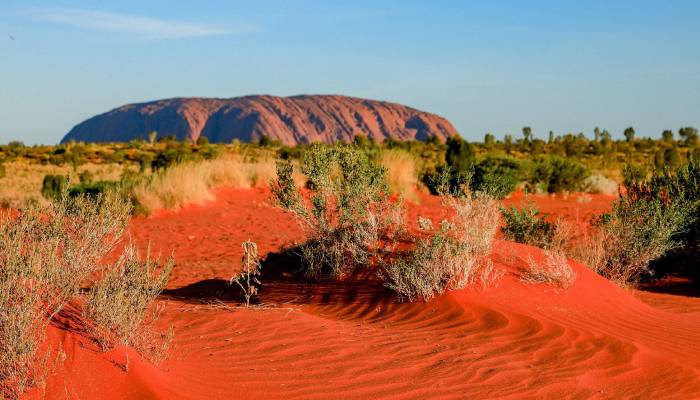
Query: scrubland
x=355, y=207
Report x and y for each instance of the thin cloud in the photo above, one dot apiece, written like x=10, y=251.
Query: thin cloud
x=146, y=27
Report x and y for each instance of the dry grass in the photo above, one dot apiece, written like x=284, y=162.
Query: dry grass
x=454, y=257
x=247, y=279
x=599, y=184
x=46, y=253
x=22, y=181
x=193, y=182
x=555, y=270
x=118, y=306
x=402, y=177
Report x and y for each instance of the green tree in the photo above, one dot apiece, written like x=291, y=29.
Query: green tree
x=597, y=134
x=527, y=134
x=667, y=136
x=690, y=135
x=489, y=140
x=460, y=155
x=629, y=134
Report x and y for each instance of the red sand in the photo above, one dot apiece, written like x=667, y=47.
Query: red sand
x=351, y=340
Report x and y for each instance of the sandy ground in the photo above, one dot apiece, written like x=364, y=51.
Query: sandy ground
x=354, y=341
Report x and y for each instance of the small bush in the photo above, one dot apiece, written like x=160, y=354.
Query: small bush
x=3, y=171
x=347, y=213
x=46, y=253
x=247, y=279
x=635, y=233
x=557, y=174
x=527, y=226
x=554, y=271
x=118, y=306
x=451, y=258
x=496, y=176
x=53, y=186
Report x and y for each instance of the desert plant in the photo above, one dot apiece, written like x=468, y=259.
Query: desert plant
x=555, y=270
x=556, y=174
x=401, y=172
x=193, y=181
x=635, y=233
x=451, y=258
x=347, y=211
x=53, y=186
x=247, y=279
x=46, y=253
x=496, y=176
x=23, y=323
x=118, y=306
x=527, y=226
x=3, y=170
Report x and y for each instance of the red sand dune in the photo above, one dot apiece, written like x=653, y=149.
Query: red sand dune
x=353, y=340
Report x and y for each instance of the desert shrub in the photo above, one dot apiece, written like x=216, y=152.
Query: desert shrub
x=145, y=161
x=678, y=186
x=46, y=253
x=171, y=156
x=347, y=209
x=556, y=174
x=635, y=233
x=118, y=306
x=454, y=256
x=3, y=171
x=497, y=176
x=527, y=226
x=22, y=329
x=247, y=279
x=555, y=270
x=53, y=185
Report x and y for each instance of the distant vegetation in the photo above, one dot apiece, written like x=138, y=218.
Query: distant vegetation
x=571, y=162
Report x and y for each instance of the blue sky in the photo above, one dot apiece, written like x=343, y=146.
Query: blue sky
x=562, y=65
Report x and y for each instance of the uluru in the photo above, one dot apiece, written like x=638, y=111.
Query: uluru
x=291, y=120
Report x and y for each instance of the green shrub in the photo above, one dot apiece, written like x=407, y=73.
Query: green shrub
x=636, y=232
x=346, y=213
x=557, y=174
x=675, y=187
x=53, y=186
x=527, y=226
x=496, y=176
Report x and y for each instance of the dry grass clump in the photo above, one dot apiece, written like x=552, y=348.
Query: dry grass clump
x=192, y=182
x=118, y=305
x=23, y=323
x=555, y=270
x=46, y=253
x=401, y=172
x=453, y=257
x=599, y=184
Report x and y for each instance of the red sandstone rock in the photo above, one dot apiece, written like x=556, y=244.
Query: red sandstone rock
x=292, y=120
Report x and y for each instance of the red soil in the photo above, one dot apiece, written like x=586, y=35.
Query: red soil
x=353, y=340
